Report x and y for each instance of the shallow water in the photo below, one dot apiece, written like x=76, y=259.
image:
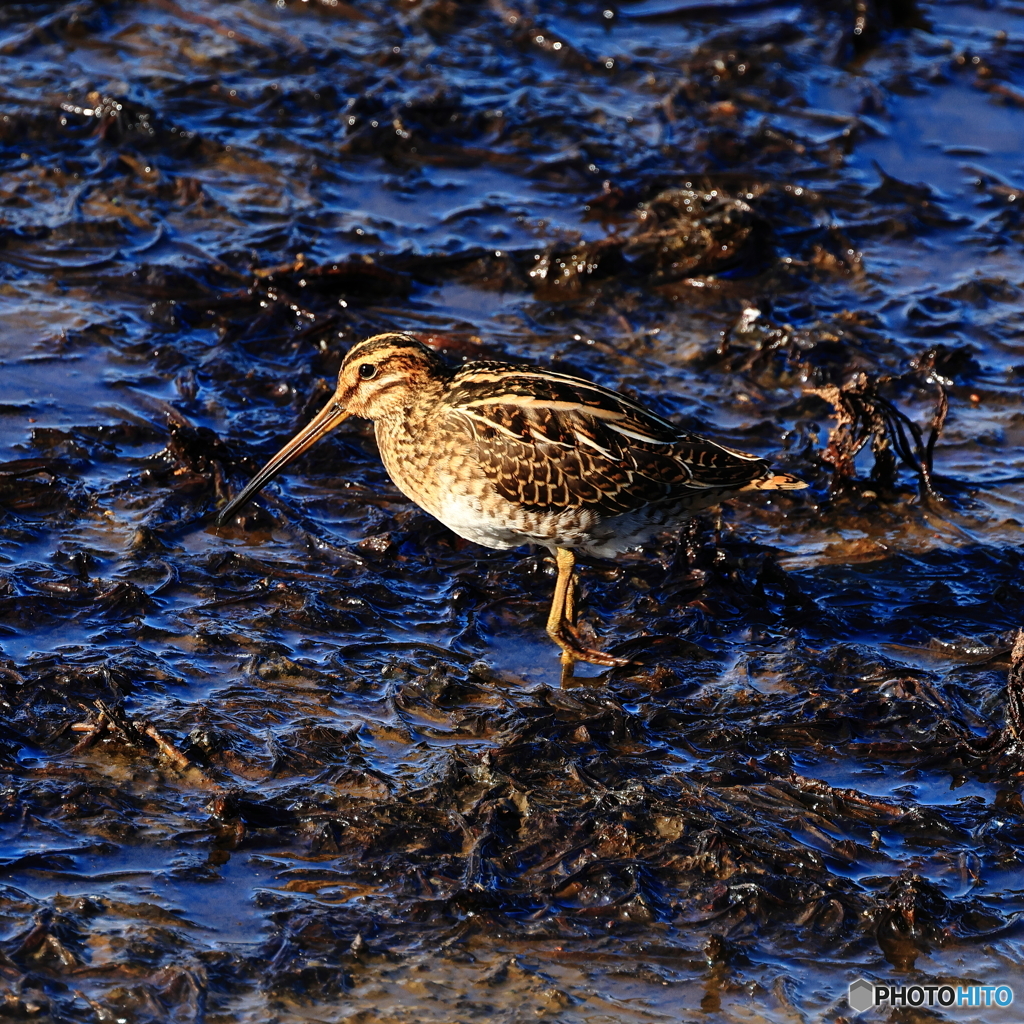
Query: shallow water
x=318, y=765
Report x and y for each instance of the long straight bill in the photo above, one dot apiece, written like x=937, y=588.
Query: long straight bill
x=323, y=423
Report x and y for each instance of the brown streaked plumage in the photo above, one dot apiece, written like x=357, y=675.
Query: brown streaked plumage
x=507, y=455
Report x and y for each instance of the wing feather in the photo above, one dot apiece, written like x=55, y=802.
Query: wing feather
x=551, y=442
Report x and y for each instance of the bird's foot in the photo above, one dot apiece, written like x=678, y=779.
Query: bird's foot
x=573, y=648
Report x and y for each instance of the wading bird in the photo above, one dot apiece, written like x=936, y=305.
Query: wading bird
x=506, y=455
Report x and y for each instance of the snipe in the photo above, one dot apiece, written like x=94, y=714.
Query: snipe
x=505, y=455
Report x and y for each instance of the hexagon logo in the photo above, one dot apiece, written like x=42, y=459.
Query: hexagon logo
x=861, y=996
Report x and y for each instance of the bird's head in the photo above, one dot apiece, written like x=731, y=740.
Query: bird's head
x=379, y=377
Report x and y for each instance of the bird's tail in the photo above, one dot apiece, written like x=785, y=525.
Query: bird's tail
x=776, y=482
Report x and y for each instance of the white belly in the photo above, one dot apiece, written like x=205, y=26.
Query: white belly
x=466, y=517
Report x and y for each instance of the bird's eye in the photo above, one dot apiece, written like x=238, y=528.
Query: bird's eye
x=367, y=371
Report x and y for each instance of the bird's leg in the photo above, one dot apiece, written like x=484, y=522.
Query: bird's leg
x=562, y=607
x=564, y=561
x=569, y=615
x=570, y=603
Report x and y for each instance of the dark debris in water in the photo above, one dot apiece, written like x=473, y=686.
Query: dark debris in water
x=862, y=415
x=319, y=760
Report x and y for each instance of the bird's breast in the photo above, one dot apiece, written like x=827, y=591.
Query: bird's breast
x=436, y=465
x=429, y=461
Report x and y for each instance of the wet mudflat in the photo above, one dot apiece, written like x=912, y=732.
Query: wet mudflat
x=317, y=765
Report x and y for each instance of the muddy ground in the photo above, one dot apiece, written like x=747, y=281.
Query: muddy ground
x=318, y=765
